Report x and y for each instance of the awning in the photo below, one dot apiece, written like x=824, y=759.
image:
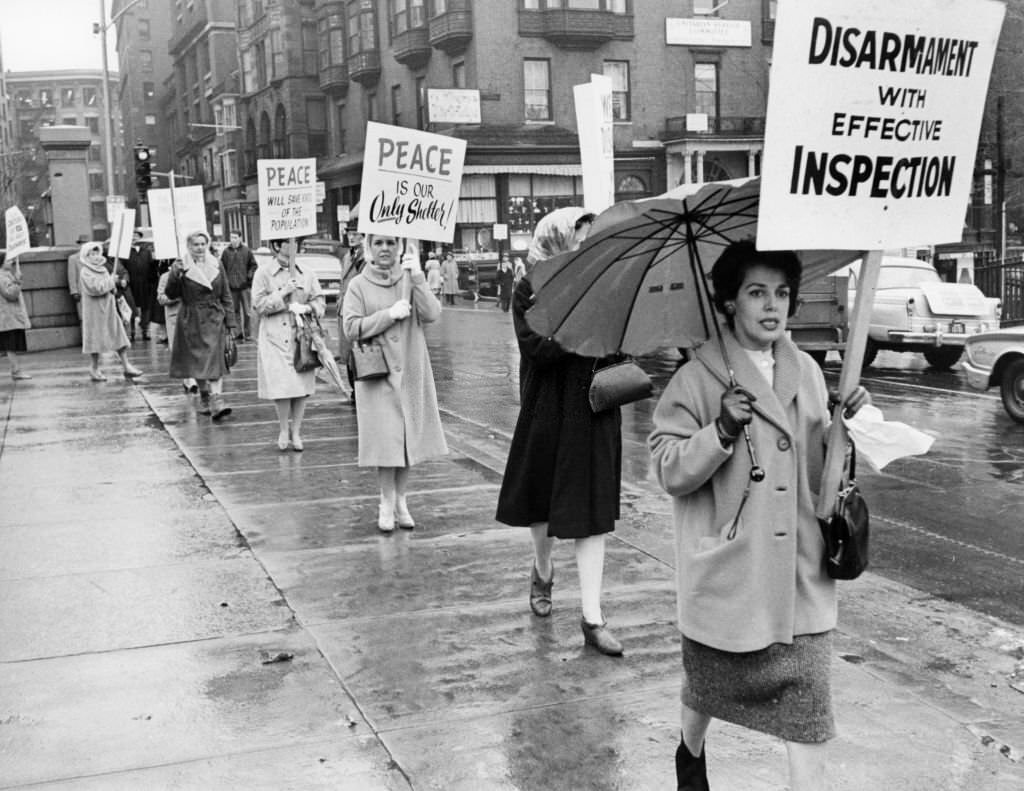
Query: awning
x=567, y=169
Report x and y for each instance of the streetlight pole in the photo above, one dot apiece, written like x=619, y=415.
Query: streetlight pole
x=108, y=131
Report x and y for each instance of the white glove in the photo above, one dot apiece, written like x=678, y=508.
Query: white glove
x=400, y=310
x=411, y=263
x=298, y=308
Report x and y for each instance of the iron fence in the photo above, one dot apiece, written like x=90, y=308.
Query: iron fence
x=1003, y=279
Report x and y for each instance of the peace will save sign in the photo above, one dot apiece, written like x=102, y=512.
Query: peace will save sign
x=287, y=197
x=410, y=183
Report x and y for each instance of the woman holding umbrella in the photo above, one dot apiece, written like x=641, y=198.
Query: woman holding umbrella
x=755, y=606
x=398, y=418
x=281, y=292
x=565, y=462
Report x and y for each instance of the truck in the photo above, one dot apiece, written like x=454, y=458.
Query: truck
x=821, y=321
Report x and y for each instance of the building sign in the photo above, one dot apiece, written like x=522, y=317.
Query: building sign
x=453, y=106
x=873, y=119
x=411, y=183
x=287, y=197
x=174, y=214
x=709, y=32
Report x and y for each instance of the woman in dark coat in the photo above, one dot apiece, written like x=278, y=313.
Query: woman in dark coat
x=204, y=319
x=506, y=282
x=564, y=466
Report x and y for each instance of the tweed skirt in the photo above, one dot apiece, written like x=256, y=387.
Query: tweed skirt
x=782, y=690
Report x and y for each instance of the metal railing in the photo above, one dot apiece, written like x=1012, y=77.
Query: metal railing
x=1003, y=279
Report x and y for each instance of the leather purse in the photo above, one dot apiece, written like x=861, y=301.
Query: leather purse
x=306, y=358
x=618, y=384
x=846, y=530
x=368, y=361
x=230, y=350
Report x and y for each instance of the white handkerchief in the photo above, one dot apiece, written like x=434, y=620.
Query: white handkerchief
x=879, y=441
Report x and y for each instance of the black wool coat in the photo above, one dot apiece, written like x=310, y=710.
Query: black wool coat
x=565, y=463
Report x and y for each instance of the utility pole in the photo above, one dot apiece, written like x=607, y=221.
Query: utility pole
x=108, y=131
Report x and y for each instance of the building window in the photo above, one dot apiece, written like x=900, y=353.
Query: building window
x=263, y=147
x=251, y=143
x=362, y=29
x=24, y=98
x=69, y=120
x=309, y=54
x=339, y=130
x=94, y=124
x=259, y=54
x=96, y=182
x=277, y=62
x=615, y=6
x=705, y=7
x=421, y=102
x=89, y=97
x=281, y=133
x=618, y=70
x=249, y=76
x=396, y=105
x=316, y=117
x=26, y=128
x=229, y=167
x=537, y=89
x=146, y=59
x=67, y=97
x=99, y=212
x=406, y=15
x=143, y=29
x=438, y=7
x=46, y=97
x=705, y=91
x=94, y=152
x=148, y=91
x=150, y=120
x=372, y=111
x=530, y=197
x=459, y=74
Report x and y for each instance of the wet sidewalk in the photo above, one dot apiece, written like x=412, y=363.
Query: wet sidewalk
x=183, y=606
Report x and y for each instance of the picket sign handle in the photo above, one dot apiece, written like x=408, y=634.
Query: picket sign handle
x=408, y=246
x=292, y=271
x=849, y=378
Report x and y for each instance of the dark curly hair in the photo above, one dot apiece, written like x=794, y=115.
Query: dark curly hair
x=732, y=265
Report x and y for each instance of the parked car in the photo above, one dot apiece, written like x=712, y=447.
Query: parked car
x=263, y=256
x=996, y=359
x=915, y=310
x=327, y=269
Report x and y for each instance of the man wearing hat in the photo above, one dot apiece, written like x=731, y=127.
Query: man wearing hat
x=74, y=267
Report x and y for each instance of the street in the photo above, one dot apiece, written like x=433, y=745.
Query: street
x=184, y=606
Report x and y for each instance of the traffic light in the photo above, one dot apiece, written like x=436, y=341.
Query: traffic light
x=143, y=167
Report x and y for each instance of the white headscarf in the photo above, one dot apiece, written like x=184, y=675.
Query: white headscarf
x=555, y=233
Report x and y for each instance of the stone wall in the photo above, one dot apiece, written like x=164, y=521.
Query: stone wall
x=44, y=285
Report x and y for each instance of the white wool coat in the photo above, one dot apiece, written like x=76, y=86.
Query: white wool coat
x=768, y=584
x=102, y=328
x=276, y=377
x=399, y=422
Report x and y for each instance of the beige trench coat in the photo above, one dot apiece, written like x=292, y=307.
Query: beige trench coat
x=768, y=584
x=399, y=422
x=275, y=350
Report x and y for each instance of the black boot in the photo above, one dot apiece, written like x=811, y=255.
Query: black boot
x=691, y=773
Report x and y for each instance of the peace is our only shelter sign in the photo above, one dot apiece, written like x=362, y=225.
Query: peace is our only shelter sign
x=873, y=118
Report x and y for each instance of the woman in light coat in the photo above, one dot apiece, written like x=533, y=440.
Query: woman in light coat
x=399, y=422
x=755, y=606
x=205, y=318
x=449, y=279
x=102, y=328
x=279, y=297
x=13, y=315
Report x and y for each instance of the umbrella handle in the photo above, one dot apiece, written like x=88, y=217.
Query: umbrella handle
x=756, y=470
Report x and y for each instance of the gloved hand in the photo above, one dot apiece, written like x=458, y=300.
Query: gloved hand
x=736, y=410
x=411, y=263
x=851, y=406
x=400, y=310
x=299, y=308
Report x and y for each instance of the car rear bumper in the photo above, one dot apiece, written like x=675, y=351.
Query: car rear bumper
x=978, y=378
x=938, y=338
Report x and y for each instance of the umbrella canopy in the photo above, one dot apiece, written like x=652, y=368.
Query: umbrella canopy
x=639, y=281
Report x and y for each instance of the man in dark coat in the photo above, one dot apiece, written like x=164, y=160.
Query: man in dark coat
x=140, y=268
x=240, y=264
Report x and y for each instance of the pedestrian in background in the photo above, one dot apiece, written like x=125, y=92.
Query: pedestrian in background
x=281, y=293
x=240, y=265
x=140, y=274
x=205, y=317
x=102, y=327
x=564, y=466
x=398, y=418
x=449, y=278
x=506, y=282
x=13, y=315
x=74, y=272
x=170, y=308
x=433, y=272
x=755, y=606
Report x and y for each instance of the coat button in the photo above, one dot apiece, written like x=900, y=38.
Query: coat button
x=783, y=444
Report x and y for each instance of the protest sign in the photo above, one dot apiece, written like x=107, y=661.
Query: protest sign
x=17, y=232
x=873, y=119
x=287, y=189
x=121, y=233
x=597, y=149
x=174, y=214
x=410, y=183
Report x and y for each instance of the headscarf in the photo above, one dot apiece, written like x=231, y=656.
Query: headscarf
x=554, y=234
x=208, y=267
x=100, y=267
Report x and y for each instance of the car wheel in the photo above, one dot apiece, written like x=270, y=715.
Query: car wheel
x=943, y=357
x=1011, y=388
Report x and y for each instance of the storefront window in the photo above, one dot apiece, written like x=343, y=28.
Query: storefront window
x=531, y=196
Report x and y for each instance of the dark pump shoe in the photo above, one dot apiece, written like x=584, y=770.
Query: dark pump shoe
x=540, y=593
x=597, y=635
x=691, y=773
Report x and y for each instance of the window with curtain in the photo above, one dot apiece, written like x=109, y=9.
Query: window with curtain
x=309, y=49
x=316, y=119
x=362, y=28
x=459, y=74
x=281, y=133
x=618, y=71
x=705, y=90
x=421, y=102
x=438, y=7
x=478, y=201
x=396, y=105
x=537, y=89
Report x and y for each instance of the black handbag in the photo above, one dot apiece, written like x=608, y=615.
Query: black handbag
x=230, y=350
x=305, y=357
x=846, y=530
x=617, y=384
x=368, y=361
